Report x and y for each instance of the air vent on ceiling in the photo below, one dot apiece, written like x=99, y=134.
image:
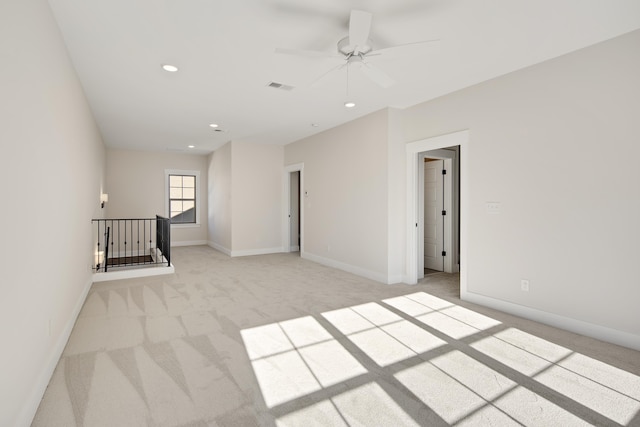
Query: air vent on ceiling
x=280, y=86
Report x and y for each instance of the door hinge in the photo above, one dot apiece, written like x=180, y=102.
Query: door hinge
x=444, y=213
x=444, y=171
x=444, y=253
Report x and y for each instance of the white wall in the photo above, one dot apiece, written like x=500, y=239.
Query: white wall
x=220, y=199
x=246, y=198
x=557, y=145
x=136, y=188
x=257, y=198
x=345, y=212
x=396, y=197
x=52, y=170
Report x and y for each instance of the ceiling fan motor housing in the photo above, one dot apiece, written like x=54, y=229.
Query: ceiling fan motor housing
x=348, y=49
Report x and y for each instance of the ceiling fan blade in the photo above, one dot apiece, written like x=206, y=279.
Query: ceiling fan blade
x=359, y=27
x=376, y=75
x=415, y=48
x=305, y=53
x=322, y=76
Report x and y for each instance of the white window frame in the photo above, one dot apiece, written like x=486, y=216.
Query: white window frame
x=167, y=212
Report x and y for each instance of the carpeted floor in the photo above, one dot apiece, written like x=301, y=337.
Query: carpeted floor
x=277, y=340
x=428, y=271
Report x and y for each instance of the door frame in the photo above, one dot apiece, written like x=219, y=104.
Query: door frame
x=449, y=242
x=286, y=206
x=413, y=151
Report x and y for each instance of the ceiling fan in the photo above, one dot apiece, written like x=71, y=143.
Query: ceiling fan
x=356, y=49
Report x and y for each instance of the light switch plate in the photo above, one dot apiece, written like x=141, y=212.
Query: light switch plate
x=493, y=207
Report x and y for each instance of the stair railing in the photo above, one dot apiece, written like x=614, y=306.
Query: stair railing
x=130, y=242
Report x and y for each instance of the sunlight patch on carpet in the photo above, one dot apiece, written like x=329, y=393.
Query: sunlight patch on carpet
x=294, y=358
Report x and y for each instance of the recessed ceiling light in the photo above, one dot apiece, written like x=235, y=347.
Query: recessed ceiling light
x=349, y=104
x=213, y=125
x=170, y=68
x=191, y=146
x=315, y=125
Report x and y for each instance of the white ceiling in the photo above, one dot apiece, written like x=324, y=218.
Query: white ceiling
x=225, y=51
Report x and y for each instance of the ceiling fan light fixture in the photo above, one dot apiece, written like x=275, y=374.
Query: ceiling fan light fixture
x=349, y=104
x=170, y=68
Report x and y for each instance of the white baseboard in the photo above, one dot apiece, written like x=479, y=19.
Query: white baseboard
x=25, y=418
x=359, y=271
x=263, y=251
x=599, y=332
x=406, y=280
x=219, y=248
x=246, y=252
x=189, y=243
x=392, y=279
x=133, y=273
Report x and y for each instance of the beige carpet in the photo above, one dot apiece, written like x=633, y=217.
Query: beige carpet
x=277, y=340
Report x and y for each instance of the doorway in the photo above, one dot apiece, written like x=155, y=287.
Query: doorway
x=436, y=148
x=293, y=209
x=438, y=225
x=433, y=215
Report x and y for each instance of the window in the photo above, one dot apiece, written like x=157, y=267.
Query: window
x=182, y=193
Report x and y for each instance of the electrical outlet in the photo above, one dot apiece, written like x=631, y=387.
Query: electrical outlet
x=524, y=285
x=328, y=248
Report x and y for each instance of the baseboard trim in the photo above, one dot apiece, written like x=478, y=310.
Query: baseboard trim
x=599, y=332
x=219, y=248
x=25, y=418
x=246, y=252
x=250, y=252
x=398, y=278
x=189, y=243
x=358, y=271
x=133, y=273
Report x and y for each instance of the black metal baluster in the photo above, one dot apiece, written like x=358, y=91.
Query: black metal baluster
x=96, y=258
x=106, y=264
x=125, y=243
x=138, y=240
x=112, y=239
x=158, y=243
x=167, y=222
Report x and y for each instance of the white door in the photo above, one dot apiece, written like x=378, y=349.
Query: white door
x=294, y=212
x=433, y=219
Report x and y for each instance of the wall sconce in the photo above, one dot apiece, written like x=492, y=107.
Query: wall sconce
x=104, y=198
